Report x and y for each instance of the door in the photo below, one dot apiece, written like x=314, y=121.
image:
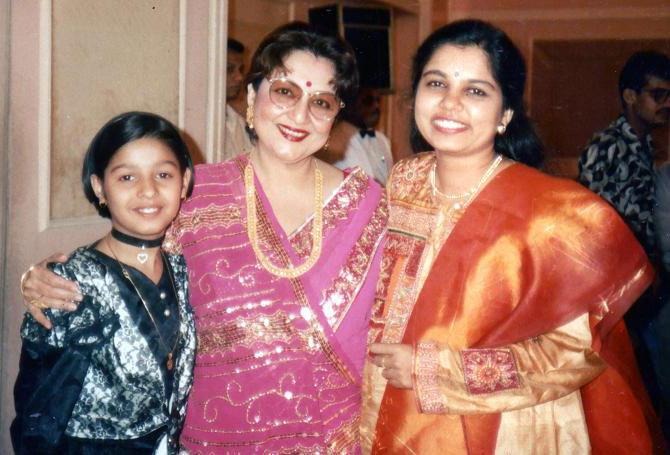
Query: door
x=73, y=65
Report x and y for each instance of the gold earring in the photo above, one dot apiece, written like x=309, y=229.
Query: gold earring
x=325, y=146
x=501, y=129
x=250, y=117
x=102, y=204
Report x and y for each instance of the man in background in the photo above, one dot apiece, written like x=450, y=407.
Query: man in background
x=356, y=142
x=618, y=164
x=237, y=139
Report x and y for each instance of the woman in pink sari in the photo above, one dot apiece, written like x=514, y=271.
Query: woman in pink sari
x=283, y=253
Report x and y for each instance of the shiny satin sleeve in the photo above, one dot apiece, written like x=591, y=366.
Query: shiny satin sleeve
x=514, y=376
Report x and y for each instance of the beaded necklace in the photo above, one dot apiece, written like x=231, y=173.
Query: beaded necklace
x=252, y=229
x=457, y=208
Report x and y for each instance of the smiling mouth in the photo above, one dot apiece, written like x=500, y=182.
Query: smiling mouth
x=292, y=134
x=147, y=210
x=448, y=125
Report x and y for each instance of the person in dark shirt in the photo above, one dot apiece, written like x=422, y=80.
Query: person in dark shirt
x=618, y=164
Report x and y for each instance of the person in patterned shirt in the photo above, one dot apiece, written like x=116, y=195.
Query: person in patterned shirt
x=618, y=164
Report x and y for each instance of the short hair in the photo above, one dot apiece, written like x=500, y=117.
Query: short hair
x=640, y=67
x=235, y=46
x=520, y=141
x=300, y=36
x=122, y=130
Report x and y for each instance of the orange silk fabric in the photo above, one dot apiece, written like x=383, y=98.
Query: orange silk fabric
x=531, y=253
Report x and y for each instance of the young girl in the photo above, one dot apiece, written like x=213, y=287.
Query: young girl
x=113, y=376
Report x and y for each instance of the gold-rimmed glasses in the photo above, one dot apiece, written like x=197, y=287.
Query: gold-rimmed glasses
x=322, y=105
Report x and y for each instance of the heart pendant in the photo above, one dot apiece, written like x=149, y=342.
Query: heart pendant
x=142, y=257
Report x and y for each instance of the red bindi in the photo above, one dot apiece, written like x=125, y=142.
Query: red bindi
x=309, y=83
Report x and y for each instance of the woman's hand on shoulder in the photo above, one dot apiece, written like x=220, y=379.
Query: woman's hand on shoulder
x=41, y=288
x=397, y=361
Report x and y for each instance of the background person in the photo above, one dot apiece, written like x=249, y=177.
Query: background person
x=618, y=164
x=356, y=142
x=237, y=140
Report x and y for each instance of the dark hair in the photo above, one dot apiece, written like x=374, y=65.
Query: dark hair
x=520, y=142
x=640, y=67
x=122, y=130
x=300, y=36
x=235, y=46
x=352, y=112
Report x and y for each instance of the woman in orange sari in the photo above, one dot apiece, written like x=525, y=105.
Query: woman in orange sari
x=498, y=326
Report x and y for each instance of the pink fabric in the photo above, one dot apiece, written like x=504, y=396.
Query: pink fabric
x=279, y=361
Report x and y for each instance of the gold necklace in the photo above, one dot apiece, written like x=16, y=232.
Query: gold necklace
x=317, y=227
x=457, y=208
x=170, y=357
x=472, y=191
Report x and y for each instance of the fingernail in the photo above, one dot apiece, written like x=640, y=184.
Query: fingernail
x=78, y=297
x=70, y=306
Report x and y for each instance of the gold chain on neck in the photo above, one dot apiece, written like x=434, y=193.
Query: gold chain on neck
x=492, y=167
x=170, y=357
x=317, y=227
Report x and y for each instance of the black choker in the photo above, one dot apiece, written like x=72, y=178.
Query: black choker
x=135, y=241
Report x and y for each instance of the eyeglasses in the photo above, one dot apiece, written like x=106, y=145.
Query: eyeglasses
x=285, y=93
x=660, y=95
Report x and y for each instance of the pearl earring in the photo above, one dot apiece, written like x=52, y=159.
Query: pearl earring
x=501, y=129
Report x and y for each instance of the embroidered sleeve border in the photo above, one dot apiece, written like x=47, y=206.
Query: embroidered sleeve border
x=426, y=379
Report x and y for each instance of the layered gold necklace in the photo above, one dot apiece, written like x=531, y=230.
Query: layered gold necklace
x=252, y=227
x=458, y=206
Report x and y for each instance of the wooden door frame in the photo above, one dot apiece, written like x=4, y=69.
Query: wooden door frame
x=26, y=232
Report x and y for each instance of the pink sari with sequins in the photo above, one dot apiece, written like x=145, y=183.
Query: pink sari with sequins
x=279, y=360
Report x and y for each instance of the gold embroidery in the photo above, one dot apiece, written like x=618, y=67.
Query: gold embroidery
x=402, y=296
x=338, y=298
x=242, y=331
x=319, y=337
x=208, y=217
x=313, y=449
x=345, y=200
x=409, y=182
x=426, y=371
x=411, y=222
x=489, y=370
x=345, y=438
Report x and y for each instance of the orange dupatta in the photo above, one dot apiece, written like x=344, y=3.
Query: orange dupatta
x=554, y=251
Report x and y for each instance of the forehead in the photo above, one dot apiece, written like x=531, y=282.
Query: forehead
x=657, y=82
x=461, y=61
x=234, y=58
x=304, y=66
x=145, y=151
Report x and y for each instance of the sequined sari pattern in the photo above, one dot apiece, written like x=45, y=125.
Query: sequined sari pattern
x=279, y=360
